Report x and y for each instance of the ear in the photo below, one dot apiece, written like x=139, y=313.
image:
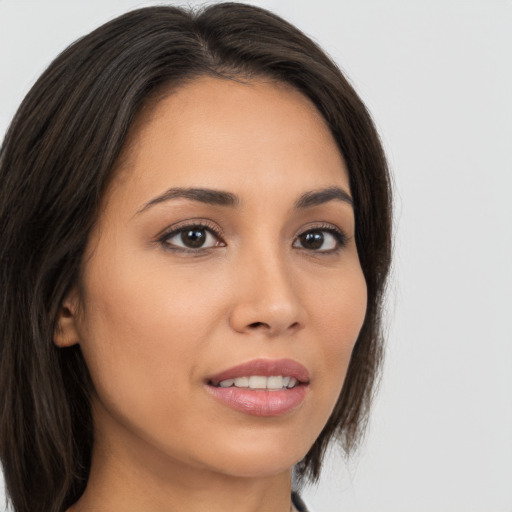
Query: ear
x=66, y=330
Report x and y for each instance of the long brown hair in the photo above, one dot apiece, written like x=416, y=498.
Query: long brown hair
x=55, y=164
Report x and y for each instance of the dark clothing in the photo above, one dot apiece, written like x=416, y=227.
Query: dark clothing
x=298, y=503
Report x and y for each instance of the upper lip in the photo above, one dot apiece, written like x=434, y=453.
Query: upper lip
x=263, y=367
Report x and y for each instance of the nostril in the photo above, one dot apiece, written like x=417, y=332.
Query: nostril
x=255, y=325
x=258, y=325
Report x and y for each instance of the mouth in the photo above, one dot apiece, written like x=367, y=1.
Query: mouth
x=262, y=387
x=272, y=383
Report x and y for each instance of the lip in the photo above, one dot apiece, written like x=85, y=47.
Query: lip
x=261, y=402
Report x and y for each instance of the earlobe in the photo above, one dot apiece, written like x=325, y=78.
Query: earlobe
x=66, y=332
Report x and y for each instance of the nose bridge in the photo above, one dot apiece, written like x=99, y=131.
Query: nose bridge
x=273, y=276
x=267, y=297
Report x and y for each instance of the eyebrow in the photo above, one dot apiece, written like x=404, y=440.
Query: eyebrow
x=202, y=195
x=223, y=198
x=318, y=197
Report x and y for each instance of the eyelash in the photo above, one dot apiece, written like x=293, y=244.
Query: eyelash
x=164, y=239
x=340, y=237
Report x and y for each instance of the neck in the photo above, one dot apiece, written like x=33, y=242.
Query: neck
x=126, y=491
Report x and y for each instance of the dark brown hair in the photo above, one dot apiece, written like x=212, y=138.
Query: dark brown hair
x=55, y=164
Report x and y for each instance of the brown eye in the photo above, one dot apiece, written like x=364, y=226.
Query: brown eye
x=312, y=240
x=320, y=240
x=191, y=237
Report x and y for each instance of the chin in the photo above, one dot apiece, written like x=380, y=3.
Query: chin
x=257, y=460
x=261, y=467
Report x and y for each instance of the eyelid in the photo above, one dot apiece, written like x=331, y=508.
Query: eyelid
x=175, y=229
x=341, y=237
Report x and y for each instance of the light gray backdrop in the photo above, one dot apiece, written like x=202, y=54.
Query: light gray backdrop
x=437, y=77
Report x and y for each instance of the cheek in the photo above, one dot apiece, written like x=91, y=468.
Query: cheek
x=143, y=330
x=340, y=315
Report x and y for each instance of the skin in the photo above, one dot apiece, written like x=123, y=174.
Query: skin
x=154, y=321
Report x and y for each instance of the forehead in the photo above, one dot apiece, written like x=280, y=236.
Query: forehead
x=230, y=135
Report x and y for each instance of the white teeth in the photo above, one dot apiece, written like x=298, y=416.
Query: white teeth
x=242, y=382
x=257, y=382
x=275, y=382
x=292, y=383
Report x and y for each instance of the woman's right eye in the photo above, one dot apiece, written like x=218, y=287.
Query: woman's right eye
x=193, y=237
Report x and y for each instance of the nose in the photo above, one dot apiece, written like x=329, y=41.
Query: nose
x=267, y=300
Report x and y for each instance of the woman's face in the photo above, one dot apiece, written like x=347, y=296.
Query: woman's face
x=225, y=239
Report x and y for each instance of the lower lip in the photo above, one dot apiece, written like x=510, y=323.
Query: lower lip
x=260, y=402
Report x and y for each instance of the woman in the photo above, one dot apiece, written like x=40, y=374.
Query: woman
x=196, y=219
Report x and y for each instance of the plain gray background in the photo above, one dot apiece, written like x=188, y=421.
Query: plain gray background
x=437, y=77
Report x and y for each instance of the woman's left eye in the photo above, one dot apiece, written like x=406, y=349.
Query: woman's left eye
x=192, y=237
x=321, y=240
